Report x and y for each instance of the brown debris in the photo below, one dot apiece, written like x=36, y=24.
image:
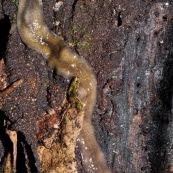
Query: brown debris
x=48, y=122
x=8, y=165
x=59, y=157
x=58, y=152
x=13, y=136
x=3, y=76
x=11, y=88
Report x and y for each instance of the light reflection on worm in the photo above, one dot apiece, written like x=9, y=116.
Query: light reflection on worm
x=35, y=34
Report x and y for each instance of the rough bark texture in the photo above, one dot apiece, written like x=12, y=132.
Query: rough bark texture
x=129, y=44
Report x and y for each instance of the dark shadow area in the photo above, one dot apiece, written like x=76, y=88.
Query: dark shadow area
x=119, y=19
x=162, y=116
x=25, y=156
x=5, y=26
x=5, y=143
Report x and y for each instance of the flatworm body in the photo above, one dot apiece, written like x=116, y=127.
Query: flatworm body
x=36, y=35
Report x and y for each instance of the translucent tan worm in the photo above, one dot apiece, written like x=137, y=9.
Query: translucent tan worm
x=35, y=34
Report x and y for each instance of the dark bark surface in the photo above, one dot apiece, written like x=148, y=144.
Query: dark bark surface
x=129, y=45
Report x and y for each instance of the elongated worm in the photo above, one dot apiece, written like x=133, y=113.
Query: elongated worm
x=36, y=35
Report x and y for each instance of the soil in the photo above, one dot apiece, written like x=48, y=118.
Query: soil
x=129, y=44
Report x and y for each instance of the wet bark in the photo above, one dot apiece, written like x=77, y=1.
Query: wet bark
x=129, y=45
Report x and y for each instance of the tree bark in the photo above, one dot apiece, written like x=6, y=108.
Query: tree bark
x=129, y=45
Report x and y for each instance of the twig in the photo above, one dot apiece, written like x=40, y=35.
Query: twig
x=13, y=136
x=11, y=87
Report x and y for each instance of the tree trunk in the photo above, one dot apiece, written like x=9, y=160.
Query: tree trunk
x=129, y=45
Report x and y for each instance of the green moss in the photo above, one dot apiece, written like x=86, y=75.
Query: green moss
x=14, y=18
x=72, y=94
x=76, y=43
x=45, y=85
x=15, y=2
x=76, y=28
x=79, y=43
x=86, y=39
